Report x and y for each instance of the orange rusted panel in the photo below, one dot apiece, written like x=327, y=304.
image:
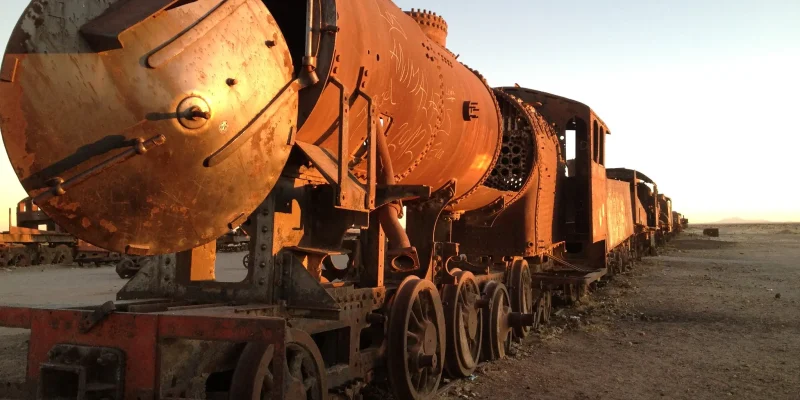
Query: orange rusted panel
x=599, y=212
x=203, y=262
x=618, y=212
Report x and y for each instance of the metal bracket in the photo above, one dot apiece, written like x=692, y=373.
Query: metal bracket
x=59, y=186
x=97, y=316
x=386, y=194
x=299, y=288
x=344, y=200
x=351, y=195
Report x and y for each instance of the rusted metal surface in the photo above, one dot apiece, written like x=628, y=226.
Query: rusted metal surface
x=315, y=127
x=434, y=26
x=628, y=175
x=665, y=222
x=586, y=209
x=197, y=264
x=139, y=203
x=134, y=335
x=528, y=223
x=419, y=90
x=619, y=218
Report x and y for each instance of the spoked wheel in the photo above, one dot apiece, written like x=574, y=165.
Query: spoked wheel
x=63, y=255
x=571, y=294
x=521, y=290
x=46, y=256
x=21, y=257
x=303, y=371
x=497, y=329
x=246, y=260
x=544, y=305
x=464, y=322
x=416, y=342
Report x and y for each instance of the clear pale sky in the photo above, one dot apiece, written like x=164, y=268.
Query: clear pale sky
x=702, y=96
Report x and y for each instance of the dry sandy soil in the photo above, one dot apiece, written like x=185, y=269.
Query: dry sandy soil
x=707, y=319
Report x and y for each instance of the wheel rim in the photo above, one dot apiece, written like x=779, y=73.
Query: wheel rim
x=521, y=290
x=46, y=256
x=543, y=306
x=246, y=260
x=21, y=259
x=498, y=331
x=64, y=254
x=252, y=378
x=548, y=297
x=464, y=325
x=416, y=339
x=303, y=371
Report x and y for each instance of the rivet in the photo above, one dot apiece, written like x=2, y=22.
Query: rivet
x=231, y=81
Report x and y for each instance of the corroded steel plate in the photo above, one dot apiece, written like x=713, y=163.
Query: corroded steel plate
x=82, y=81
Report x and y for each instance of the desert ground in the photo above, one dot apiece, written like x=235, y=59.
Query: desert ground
x=708, y=318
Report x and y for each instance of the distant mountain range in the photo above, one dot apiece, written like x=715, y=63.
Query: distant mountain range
x=737, y=220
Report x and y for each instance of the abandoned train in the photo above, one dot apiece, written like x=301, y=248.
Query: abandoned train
x=152, y=127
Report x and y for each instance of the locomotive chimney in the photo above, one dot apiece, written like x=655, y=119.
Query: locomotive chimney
x=433, y=25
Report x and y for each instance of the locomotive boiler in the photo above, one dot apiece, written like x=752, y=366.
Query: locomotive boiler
x=153, y=127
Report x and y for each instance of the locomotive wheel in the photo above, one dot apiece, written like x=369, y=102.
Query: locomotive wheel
x=246, y=261
x=63, y=255
x=46, y=256
x=464, y=322
x=544, y=305
x=571, y=294
x=303, y=377
x=521, y=290
x=416, y=342
x=497, y=329
x=21, y=257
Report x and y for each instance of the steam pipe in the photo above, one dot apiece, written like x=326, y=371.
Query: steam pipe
x=389, y=214
x=309, y=61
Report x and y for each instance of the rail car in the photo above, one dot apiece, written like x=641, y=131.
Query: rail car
x=25, y=244
x=234, y=241
x=315, y=126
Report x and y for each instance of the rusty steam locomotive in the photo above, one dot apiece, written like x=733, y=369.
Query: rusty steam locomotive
x=153, y=127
